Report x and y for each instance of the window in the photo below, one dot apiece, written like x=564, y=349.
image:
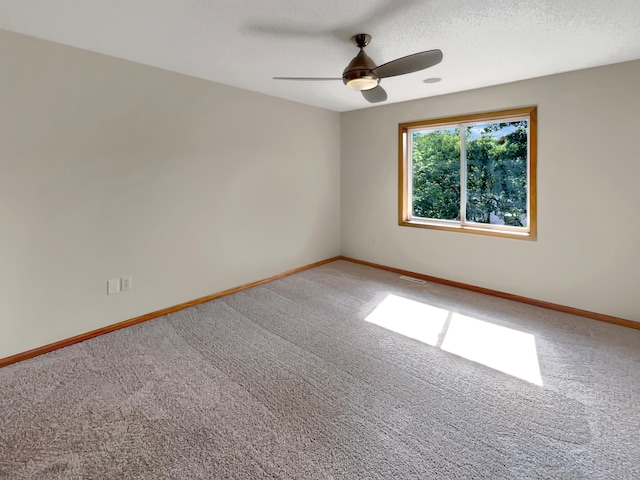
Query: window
x=473, y=174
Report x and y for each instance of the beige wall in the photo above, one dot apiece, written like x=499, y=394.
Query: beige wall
x=109, y=168
x=588, y=250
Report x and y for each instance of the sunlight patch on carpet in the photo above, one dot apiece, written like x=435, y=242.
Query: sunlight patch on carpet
x=410, y=318
x=510, y=351
x=504, y=349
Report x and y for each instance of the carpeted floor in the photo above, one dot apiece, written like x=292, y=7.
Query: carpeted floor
x=288, y=380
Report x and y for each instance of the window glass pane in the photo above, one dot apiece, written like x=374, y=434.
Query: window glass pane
x=497, y=173
x=436, y=173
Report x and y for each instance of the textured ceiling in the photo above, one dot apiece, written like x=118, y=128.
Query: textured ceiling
x=246, y=42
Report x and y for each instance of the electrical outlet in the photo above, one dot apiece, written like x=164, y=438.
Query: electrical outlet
x=113, y=286
x=125, y=283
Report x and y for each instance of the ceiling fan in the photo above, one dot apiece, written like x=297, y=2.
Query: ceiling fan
x=363, y=74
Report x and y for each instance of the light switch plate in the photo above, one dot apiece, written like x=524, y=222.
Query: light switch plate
x=113, y=286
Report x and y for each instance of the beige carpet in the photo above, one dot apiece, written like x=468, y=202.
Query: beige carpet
x=297, y=379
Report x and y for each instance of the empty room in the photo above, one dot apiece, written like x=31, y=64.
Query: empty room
x=319, y=240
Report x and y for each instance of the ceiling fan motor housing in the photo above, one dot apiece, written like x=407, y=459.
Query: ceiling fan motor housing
x=358, y=73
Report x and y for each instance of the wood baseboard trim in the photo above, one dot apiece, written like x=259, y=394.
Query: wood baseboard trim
x=516, y=298
x=166, y=311
x=19, y=357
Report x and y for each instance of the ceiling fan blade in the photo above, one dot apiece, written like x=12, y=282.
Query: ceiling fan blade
x=308, y=79
x=409, y=64
x=375, y=95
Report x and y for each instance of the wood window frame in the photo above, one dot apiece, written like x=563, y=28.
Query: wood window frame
x=405, y=218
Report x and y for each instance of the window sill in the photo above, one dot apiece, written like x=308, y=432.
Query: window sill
x=469, y=229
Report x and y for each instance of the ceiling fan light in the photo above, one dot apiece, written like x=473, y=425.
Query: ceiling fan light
x=363, y=83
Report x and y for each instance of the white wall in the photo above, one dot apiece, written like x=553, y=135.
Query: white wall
x=587, y=254
x=109, y=168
